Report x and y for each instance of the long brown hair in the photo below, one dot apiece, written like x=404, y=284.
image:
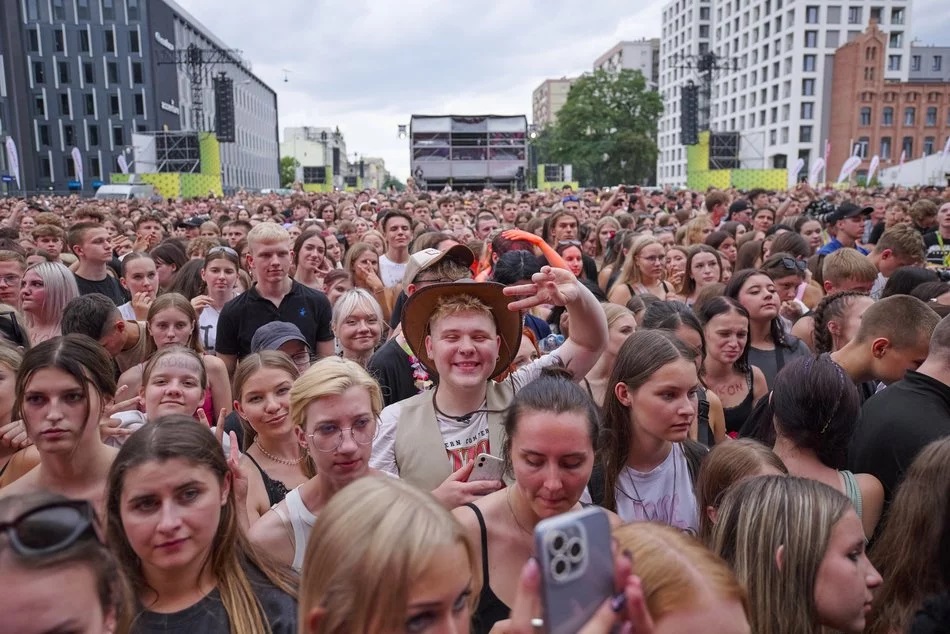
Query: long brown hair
x=182, y=304
x=907, y=553
x=177, y=436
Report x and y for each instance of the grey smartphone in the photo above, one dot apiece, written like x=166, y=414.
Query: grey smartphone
x=577, y=567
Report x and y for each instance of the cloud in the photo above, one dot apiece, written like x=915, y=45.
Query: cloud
x=368, y=65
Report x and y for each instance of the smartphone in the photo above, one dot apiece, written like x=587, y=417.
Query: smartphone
x=577, y=567
x=487, y=467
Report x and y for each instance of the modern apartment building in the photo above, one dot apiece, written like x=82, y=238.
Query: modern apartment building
x=89, y=74
x=778, y=95
x=642, y=55
x=929, y=63
x=548, y=98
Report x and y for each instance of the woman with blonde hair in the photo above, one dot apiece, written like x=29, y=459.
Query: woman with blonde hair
x=907, y=551
x=334, y=407
x=727, y=464
x=798, y=547
x=46, y=289
x=621, y=323
x=358, y=324
x=386, y=557
x=362, y=262
x=696, y=230
x=642, y=272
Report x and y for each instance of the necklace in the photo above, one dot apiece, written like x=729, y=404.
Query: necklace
x=279, y=460
x=638, y=500
x=515, y=515
x=464, y=418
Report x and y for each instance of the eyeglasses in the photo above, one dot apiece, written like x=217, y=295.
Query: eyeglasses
x=10, y=280
x=50, y=528
x=14, y=333
x=227, y=250
x=569, y=243
x=328, y=438
x=302, y=358
x=791, y=264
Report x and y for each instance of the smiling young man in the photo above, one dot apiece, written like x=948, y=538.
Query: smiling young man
x=467, y=333
x=90, y=243
x=274, y=297
x=397, y=230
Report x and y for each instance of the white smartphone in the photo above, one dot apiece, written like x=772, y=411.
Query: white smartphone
x=487, y=467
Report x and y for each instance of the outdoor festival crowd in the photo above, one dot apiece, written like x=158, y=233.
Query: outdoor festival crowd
x=269, y=413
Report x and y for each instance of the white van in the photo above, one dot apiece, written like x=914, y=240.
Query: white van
x=126, y=192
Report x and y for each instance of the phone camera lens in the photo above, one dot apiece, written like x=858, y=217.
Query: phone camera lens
x=575, y=550
x=560, y=567
x=557, y=542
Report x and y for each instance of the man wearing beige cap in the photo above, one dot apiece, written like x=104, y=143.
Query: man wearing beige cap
x=392, y=365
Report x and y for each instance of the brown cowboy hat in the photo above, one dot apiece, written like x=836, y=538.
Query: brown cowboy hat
x=422, y=304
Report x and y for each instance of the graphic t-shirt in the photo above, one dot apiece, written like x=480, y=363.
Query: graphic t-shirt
x=663, y=495
x=390, y=272
x=208, y=327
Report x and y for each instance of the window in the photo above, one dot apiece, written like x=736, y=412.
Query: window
x=887, y=116
x=40, y=103
x=108, y=9
x=907, y=146
x=114, y=106
x=703, y=30
x=703, y=13
x=110, y=41
x=44, y=135
x=808, y=87
x=928, y=145
x=139, y=105
x=137, y=77
x=112, y=72
x=896, y=40
x=931, y=120
x=915, y=62
x=59, y=41
x=811, y=15
x=809, y=63
x=861, y=147
x=885, y=147
x=911, y=96
x=84, y=41
x=133, y=9
x=897, y=16
x=88, y=73
x=95, y=169
x=39, y=73
x=118, y=136
x=804, y=134
x=33, y=38
x=32, y=10
x=134, y=45
x=64, y=104
x=864, y=118
x=45, y=169
x=90, y=100
x=832, y=38
x=910, y=116
x=811, y=39
x=938, y=63
x=808, y=110
x=69, y=136
x=93, y=135
x=893, y=62
x=63, y=68
x=82, y=9
x=59, y=10
x=876, y=14
x=854, y=15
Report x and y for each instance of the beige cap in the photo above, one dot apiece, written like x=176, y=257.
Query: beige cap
x=427, y=258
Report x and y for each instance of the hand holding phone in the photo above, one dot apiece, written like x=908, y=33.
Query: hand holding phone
x=487, y=467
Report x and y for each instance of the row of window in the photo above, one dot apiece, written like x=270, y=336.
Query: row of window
x=855, y=15
x=863, y=144
x=83, y=41
x=910, y=116
x=94, y=171
x=90, y=107
x=59, y=9
x=936, y=63
x=88, y=70
x=70, y=138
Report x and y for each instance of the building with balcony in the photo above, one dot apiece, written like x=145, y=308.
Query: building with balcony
x=321, y=156
x=548, y=98
x=642, y=55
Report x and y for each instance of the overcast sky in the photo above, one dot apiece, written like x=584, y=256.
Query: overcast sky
x=367, y=65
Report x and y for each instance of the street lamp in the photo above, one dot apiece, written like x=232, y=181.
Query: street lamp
x=402, y=132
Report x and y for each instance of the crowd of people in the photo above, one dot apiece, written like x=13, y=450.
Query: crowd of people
x=267, y=414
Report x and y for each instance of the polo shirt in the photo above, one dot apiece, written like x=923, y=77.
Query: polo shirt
x=240, y=318
x=896, y=424
x=834, y=244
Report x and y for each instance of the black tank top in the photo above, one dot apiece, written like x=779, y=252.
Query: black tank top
x=490, y=609
x=276, y=490
x=737, y=416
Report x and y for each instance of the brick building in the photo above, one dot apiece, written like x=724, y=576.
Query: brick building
x=873, y=116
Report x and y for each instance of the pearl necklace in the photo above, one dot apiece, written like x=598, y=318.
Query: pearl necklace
x=279, y=460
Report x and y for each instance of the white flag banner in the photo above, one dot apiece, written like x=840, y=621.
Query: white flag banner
x=123, y=164
x=946, y=148
x=794, y=172
x=816, y=171
x=903, y=157
x=875, y=161
x=848, y=168
x=77, y=164
x=13, y=160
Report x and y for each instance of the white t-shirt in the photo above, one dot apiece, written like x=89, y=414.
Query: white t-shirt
x=663, y=495
x=390, y=272
x=463, y=441
x=127, y=312
x=208, y=327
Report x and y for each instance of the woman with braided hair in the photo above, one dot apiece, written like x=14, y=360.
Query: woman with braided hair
x=836, y=319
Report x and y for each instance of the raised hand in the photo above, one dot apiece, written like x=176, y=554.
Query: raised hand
x=551, y=286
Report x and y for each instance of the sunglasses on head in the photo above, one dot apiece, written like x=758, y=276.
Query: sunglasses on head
x=227, y=250
x=569, y=243
x=50, y=528
x=791, y=264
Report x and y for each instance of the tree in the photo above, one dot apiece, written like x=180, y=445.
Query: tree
x=288, y=170
x=606, y=129
x=392, y=181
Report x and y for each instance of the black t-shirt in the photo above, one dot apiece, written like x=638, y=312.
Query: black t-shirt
x=396, y=317
x=240, y=318
x=937, y=253
x=209, y=617
x=896, y=424
x=109, y=287
x=391, y=368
